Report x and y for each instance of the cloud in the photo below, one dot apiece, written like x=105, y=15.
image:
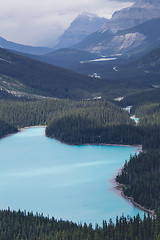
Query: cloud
x=39, y=22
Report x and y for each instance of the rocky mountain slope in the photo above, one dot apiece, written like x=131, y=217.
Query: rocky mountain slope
x=137, y=40
x=111, y=40
x=129, y=17
x=82, y=26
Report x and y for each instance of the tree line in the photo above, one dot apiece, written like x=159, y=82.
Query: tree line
x=141, y=179
x=27, y=226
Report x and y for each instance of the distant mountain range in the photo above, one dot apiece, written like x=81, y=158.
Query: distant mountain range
x=110, y=39
x=93, y=34
x=136, y=40
x=138, y=13
x=23, y=48
x=134, y=43
x=82, y=26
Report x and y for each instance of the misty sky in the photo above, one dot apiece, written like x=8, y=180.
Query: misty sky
x=40, y=22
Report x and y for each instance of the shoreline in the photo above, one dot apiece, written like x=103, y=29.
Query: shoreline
x=116, y=185
x=119, y=187
x=138, y=146
x=21, y=129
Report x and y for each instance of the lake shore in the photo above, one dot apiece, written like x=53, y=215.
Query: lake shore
x=119, y=187
x=138, y=147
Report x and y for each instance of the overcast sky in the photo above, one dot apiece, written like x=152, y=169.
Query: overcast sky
x=39, y=22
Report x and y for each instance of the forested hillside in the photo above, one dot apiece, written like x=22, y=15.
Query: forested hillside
x=6, y=128
x=31, y=76
x=145, y=97
x=30, y=113
x=141, y=179
x=27, y=226
x=21, y=76
x=80, y=122
x=140, y=176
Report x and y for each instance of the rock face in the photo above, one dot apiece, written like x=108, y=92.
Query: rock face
x=81, y=27
x=152, y=2
x=132, y=16
x=121, y=43
x=111, y=39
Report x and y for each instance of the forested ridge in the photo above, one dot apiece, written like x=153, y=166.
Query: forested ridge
x=45, y=79
x=30, y=113
x=27, y=226
x=140, y=176
x=141, y=179
x=80, y=122
x=6, y=128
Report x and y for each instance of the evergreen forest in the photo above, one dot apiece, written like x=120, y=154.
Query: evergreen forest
x=87, y=121
x=26, y=225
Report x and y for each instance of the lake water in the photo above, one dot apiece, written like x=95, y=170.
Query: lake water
x=42, y=175
x=99, y=60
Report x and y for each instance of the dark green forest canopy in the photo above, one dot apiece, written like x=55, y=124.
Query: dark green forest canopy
x=27, y=226
x=6, y=128
x=140, y=176
x=141, y=179
x=30, y=113
x=80, y=122
x=146, y=106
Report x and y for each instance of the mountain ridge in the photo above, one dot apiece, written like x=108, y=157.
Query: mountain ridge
x=83, y=25
x=20, y=75
x=139, y=39
x=23, y=48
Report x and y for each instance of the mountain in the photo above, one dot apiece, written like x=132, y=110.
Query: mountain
x=82, y=26
x=25, y=77
x=150, y=62
x=109, y=40
x=23, y=48
x=137, y=40
x=152, y=2
x=138, y=13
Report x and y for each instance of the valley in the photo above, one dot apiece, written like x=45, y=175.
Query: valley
x=97, y=85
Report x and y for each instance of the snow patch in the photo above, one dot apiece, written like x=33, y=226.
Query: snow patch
x=4, y=60
x=95, y=75
x=119, y=99
x=115, y=69
x=128, y=108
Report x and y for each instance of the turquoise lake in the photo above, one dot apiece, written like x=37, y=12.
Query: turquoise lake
x=74, y=183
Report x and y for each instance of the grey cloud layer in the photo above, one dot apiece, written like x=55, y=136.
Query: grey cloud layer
x=41, y=21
